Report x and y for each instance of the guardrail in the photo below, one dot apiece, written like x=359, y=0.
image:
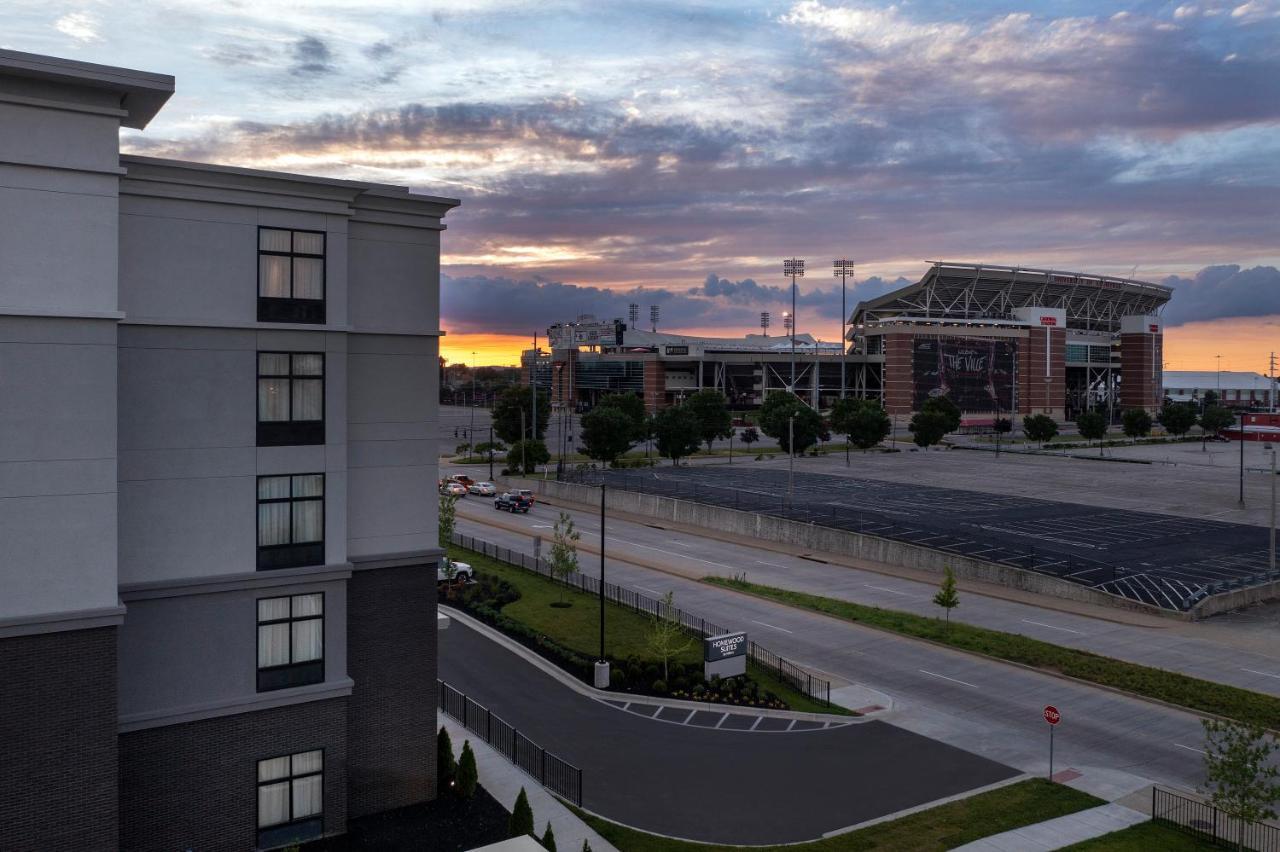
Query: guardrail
x=1207, y=821
x=758, y=657
x=557, y=775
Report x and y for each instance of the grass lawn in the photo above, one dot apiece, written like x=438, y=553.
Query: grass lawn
x=944, y=827
x=1143, y=837
x=1220, y=699
x=577, y=627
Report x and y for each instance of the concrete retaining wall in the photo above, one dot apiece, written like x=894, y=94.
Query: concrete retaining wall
x=860, y=546
x=1236, y=599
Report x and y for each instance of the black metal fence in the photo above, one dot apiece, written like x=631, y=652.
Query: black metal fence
x=559, y=776
x=1209, y=822
x=758, y=658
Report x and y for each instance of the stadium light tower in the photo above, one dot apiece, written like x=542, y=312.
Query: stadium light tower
x=633, y=313
x=843, y=269
x=794, y=267
x=653, y=317
x=765, y=321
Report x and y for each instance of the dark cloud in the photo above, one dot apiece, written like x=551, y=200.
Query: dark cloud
x=311, y=56
x=1223, y=291
x=748, y=292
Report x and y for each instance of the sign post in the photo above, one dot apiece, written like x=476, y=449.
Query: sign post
x=1053, y=717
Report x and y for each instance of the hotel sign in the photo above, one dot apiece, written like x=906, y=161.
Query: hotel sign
x=725, y=655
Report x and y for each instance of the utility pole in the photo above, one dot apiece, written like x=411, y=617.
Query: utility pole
x=843, y=268
x=602, y=665
x=1242, y=460
x=1271, y=398
x=1271, y=553
x=491, y=449
x=471, y=438
x=533, y=386
x=791, y=459
x=794, y=268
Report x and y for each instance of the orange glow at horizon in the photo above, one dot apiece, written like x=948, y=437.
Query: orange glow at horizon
x=1243, y=342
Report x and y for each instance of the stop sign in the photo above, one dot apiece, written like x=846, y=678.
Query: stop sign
x=1051, y=715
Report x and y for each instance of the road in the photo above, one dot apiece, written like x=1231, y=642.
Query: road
x=987, y=707
x=716, y=785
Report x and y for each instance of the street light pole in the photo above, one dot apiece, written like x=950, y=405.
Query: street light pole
x=491, y=450
x=602, y=665
x=1242, y=460
x=793, y=267
x=1271, y=553
x=843, y=269
x=791, y=459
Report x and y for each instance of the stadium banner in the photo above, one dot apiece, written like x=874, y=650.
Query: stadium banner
x=975, y=373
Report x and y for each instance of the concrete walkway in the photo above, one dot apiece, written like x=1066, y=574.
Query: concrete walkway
x=503, y=781
x=1060, y=832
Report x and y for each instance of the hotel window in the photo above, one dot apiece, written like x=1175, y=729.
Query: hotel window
x=290, y=798
x=290, y=641
x=290, y=521
x=290, y=276
x=290, y=398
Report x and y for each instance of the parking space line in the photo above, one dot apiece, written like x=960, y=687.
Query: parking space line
x=687, y=718
x=756, y=722
x=1189, y=748
x=721, y=722
x=944, y=677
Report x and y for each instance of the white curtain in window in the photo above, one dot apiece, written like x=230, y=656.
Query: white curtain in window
x=308, y=364
x=308, y=796
x=273, y=768
x=308, y=485
x=273, y=524
x=307, y=399
x=308, y=243
x=308, y=761
x=273, y=645
x=273, y=400
x=273, y=276
x=308, y=278
x=273, y=804
x=308, y=521
x=273, y=239
x=308, y=641
x=272, y=609
x=273, y=487
x=304, y=605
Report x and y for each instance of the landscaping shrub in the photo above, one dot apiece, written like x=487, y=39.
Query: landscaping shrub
x=468, y=776
x=659, y=687
x=446, y=767
x=521, y=823
x=549, y=839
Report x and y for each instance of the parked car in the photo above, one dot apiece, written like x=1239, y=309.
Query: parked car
x=484, y=489
x=455, y=488
x=462, y=572
x=513, y=501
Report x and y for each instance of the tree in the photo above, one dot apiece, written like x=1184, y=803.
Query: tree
x=928, y=428
x=947, y=597
x=677, y=433
x=448, y=520
x=1039, y=427
x=486, y=447
x=712, y=412
x=462, y=449
x=1177, y=418
x=468, y=775
x=945, y=407
x=564, y=552
x=749, y=436
x=1136, y=423
x=869, y=425
x=1216, y=418
x=521, y=822
x=1240, y=775
x=506, y=413
x=607, y=433
x=446, y=766
x=667, y=638
x=630, y=405
x=586, y=847
x=1210, y=398
x=549, y=838
x=525, y=456
x=778, y=409
x=1092, y=427
x=1002, y=426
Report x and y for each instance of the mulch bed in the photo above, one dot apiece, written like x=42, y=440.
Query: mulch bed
x=448, y=824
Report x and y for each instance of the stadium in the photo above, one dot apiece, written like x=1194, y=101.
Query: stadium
x=997, y=340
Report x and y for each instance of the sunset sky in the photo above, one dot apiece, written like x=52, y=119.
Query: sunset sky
x=673, y=153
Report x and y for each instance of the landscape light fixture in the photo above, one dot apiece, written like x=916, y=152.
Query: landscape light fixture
x=794, y=268
x=843, y=269
x=653, y=317
x=765, y=321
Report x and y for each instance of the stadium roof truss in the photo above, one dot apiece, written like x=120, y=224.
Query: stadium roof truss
x=975, y=292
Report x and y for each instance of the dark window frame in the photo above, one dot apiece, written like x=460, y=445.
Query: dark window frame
x=291, y=309
x=303, y=673
x=292, y=554
x=291, y=432
x=276, y=829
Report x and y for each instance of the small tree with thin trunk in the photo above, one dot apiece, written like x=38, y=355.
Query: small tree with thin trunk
x=749, y=436
x=947, y=597
x=1240, y=775
x=667, y=638
x=928, y=428
x=1040, y=428
x=448, y=521
x=1092, y=427
x=564, y=553
x=1177, y=418
x=1214, y=419
x=521, y=822
x=1136, y=423
x=446, y=766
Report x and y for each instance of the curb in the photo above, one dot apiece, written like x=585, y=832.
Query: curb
x=605, y=696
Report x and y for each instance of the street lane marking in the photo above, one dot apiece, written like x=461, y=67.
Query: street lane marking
x=540, y=526
x=1189, y=748
x=944, y=677
x=649, y=590
x=1255, y=671
x=762, y=624
x=890, y=591
x=772, y=564
x=1051, y=627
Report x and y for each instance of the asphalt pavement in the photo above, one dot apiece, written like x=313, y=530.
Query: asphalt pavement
x=715, y=785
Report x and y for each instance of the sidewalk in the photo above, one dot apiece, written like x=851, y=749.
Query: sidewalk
x=503, y=781
x=1060, y=832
